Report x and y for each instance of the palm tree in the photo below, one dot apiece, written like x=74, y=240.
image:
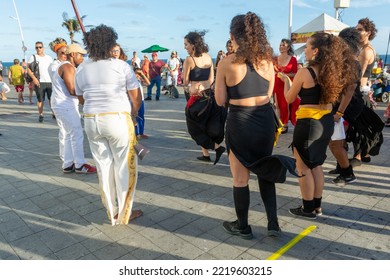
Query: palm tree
x=72, y=25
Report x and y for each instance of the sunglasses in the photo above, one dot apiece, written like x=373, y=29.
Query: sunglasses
x=63, y=53
x=39, y=47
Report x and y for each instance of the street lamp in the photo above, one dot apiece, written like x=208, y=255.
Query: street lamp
x=24, y=48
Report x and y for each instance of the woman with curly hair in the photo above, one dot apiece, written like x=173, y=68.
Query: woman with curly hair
x=104, y=85
x=367, y=57
x=206, y=126
x=348, y=108
x=245, y=79
x=330, y=70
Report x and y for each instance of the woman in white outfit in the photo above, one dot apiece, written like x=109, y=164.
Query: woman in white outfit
x=104, y=85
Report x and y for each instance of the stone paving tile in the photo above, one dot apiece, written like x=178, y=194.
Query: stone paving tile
x=73, y=252
x=31, y=248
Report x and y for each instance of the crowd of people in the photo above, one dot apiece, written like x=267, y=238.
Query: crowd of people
x=245, y=98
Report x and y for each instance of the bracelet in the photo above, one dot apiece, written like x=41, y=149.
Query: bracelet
x=339, y=113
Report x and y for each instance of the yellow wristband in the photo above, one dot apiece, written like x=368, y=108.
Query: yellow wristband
x=339, y=113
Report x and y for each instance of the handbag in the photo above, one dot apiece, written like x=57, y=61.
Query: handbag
x=199, y=106
x=34, y=67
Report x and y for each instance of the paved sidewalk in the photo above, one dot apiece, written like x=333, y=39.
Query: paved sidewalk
x=45, y=214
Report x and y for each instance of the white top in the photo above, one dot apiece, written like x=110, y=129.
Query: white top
x=44, y=63
x=61, y=98
x=53, y=68
x=137, y=61
x=104, y=85
x=172, y=63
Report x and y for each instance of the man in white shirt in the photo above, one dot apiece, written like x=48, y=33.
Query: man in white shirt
x=135, y=61
x=65, y=104
x=42, y=84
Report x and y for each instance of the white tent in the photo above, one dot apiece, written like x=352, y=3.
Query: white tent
x=323, y=23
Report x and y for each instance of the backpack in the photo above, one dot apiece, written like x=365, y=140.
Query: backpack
x=34, y=67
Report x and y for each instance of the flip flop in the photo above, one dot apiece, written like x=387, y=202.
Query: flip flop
x=135, y=214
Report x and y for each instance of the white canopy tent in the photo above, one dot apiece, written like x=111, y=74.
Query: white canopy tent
x=323, y=23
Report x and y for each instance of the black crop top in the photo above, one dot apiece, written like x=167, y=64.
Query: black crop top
x=199, y=74
x=251, y=85
x=311, y=95
x=368, y=71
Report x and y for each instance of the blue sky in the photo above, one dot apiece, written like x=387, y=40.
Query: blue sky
x=140, y=24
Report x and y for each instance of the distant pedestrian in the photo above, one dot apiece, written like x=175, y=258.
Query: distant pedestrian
x=16, y=78
x=42, y=84
x=135, y=60
x=173, y=69
x=145, y=66
x=155, y=67
x=4, y=88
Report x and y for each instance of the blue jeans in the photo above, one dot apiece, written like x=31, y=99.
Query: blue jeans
x=139, y=129
x=155, y=81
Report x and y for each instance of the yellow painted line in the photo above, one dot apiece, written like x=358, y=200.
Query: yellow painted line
x=290, y=244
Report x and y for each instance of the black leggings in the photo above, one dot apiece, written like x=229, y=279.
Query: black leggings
x=268, y=195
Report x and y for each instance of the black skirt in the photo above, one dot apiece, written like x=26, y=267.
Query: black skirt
x=250, y=135
x=311, y=138
x=206, y=121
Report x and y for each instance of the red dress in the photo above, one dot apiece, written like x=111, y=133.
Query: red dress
x=287, y=112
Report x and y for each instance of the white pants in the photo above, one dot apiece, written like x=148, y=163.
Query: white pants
x=70, y=137
x=172, y=79
x=111, y=137
x=4, y=88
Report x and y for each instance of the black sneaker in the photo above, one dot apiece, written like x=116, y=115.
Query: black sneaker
x=148, y=99
x=69, y=169
x=300, y=213
x=334, y=171
x=157, y=98
x=40, y=119
x=204, y=158
x=232, y=228
x=274, y=229
x=343, y=180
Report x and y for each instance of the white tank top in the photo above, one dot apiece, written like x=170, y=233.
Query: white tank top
x=61, y=98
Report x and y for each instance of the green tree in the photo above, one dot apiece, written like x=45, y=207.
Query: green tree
x=72, y=25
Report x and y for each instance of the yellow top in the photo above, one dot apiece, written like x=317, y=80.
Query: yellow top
x=17, y=75
x=311, y=113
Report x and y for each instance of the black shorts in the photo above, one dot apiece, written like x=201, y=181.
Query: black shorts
x=43, y=90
